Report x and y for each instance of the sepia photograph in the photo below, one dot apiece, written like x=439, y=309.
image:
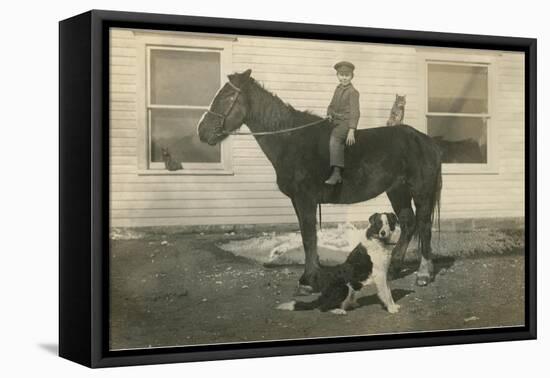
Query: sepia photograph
x=268, y=188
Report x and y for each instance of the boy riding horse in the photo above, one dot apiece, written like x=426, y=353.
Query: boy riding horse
x=344, y=113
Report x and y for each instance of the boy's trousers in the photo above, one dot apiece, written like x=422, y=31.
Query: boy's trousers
x=337, y=143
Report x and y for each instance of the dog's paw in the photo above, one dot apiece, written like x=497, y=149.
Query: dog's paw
x=338, y=311
x=394, y=309
x=287, y=306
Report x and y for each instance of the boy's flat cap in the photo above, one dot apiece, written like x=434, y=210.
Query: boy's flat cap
x=344, y=66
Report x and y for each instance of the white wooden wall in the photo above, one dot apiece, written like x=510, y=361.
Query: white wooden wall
x=301, y=73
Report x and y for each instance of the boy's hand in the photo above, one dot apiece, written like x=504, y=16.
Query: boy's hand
x=350, y=140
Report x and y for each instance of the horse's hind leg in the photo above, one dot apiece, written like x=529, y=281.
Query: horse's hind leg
x=424, y=209
x=400, y=198
x=305, y=211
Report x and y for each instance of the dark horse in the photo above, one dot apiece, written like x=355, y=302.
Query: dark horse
x=398, y=160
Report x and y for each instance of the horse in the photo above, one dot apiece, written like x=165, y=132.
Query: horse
x=399, y=160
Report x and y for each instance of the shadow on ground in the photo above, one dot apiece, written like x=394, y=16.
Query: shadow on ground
x=372, y=299
x=169, y=290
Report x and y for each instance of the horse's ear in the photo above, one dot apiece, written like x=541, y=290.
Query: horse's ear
x=239, y=79
x=232, y=78
x=246, y=74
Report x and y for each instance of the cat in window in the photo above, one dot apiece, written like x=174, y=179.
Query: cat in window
x=397, y=111
x=169, y=162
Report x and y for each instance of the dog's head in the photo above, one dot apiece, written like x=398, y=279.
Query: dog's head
x=382, y=227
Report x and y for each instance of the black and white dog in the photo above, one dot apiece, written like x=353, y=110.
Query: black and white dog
x=367, y=263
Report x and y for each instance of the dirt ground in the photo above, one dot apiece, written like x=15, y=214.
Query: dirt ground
x=169, y=290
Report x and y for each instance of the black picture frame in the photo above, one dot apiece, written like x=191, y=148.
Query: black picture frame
x=84, y=188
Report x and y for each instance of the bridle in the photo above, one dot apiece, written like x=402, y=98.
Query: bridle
x=220, y=130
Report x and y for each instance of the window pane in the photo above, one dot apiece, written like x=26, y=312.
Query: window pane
x=457, y=89
x=184, y=77
x=176, y=130
x=461, y=139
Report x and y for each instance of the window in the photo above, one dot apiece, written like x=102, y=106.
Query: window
x=458, y=113
x=180, y=79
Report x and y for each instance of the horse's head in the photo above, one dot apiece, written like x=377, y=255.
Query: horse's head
x=227, y=111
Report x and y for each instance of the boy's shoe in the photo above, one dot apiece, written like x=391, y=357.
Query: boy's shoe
x=335, y=177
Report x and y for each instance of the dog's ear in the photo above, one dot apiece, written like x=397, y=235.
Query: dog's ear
x=370, y=230
x=392, y=220
x=372, y=218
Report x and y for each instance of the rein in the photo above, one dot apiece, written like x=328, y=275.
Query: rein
x=222, y=116
x=277, y=131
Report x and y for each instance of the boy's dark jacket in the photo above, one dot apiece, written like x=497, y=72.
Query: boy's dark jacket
x=344, y=106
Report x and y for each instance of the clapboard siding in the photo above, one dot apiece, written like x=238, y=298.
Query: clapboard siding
x=262, y=202
x=262, y=219
x=301, y=73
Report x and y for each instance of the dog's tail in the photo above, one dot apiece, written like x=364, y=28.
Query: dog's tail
x=299, y=306
x=305, y=306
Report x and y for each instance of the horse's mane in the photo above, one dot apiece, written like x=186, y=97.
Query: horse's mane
x=268, y=110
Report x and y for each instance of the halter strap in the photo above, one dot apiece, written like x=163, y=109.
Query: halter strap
x=234, y=86
x=222, y=116
x=278, y=131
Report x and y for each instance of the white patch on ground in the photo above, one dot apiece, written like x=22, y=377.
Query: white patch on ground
x=339, y=311
x=125, y=234
x=334, y=244
x=288, y=306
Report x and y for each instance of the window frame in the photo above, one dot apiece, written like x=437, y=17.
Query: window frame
x=145, y=43
x=460, y=59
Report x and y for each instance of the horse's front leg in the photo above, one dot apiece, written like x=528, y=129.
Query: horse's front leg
x=305, y=210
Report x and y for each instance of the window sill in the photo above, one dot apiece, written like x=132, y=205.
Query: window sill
x=185, y=172
x=469, y=169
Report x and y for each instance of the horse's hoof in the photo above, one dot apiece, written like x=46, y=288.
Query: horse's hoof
x=423, y=280
x=303, y=290
x=311, y=281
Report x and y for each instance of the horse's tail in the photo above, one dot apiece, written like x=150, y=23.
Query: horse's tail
x=436, y=207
